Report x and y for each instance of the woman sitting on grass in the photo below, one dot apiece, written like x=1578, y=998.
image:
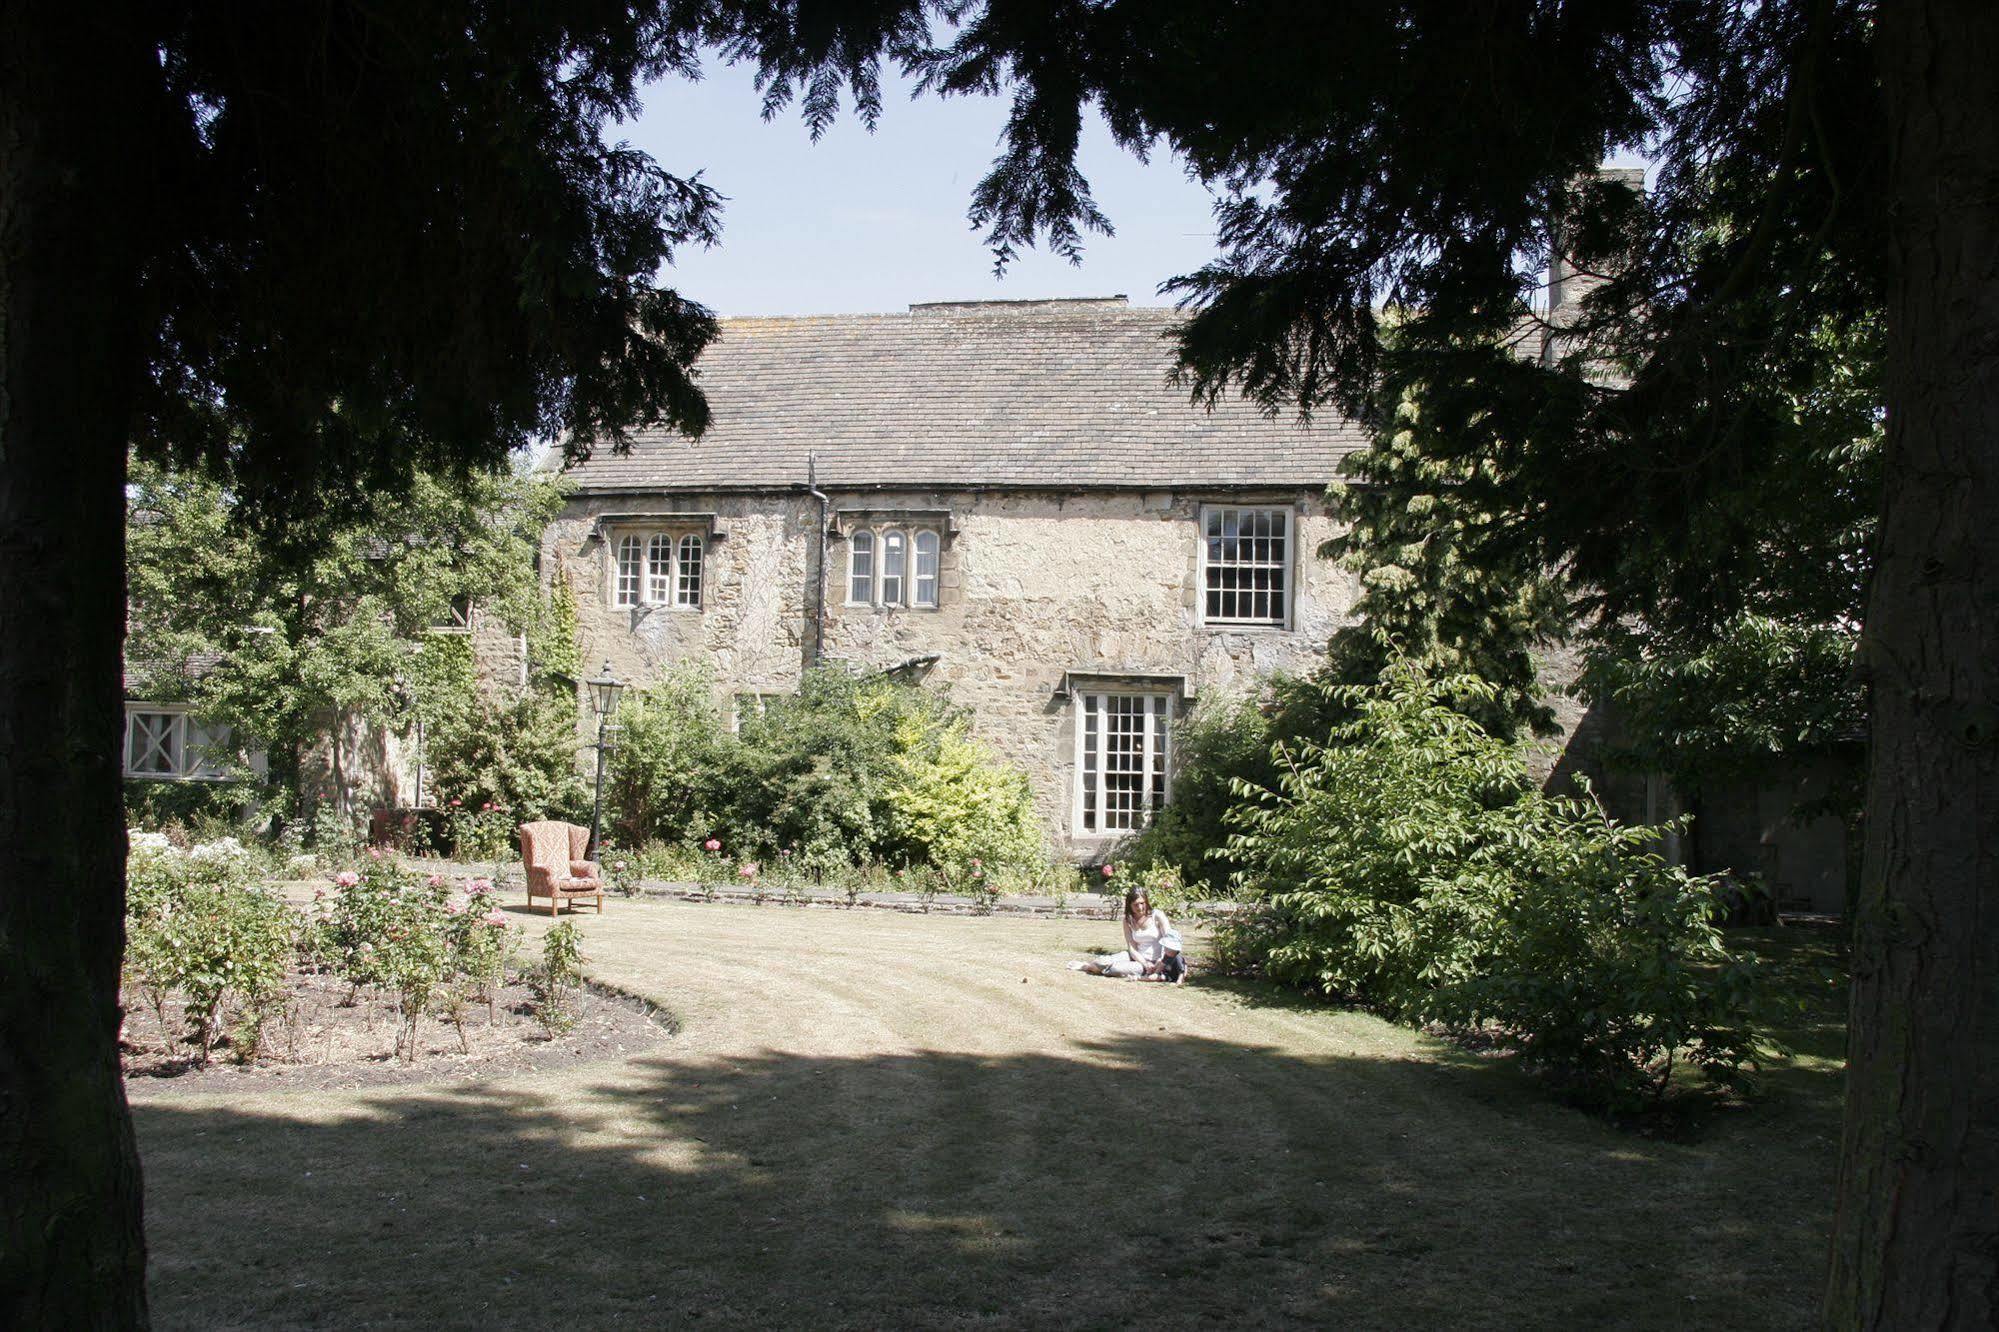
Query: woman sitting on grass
x=1151, y=948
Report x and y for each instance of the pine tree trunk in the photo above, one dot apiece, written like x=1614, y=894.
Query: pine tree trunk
x=1916, y=1236
x=73, y=93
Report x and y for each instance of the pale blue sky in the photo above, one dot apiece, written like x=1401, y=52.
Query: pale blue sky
x=863, y=222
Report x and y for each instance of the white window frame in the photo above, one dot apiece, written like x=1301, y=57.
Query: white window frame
x=191, y=739
x=650, y=566
x=1155, y=759
x=690, y=566
x=914, y=589
x=920, y=596
x=1286, y=566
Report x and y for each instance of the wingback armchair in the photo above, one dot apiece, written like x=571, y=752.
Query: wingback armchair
x=553, y=855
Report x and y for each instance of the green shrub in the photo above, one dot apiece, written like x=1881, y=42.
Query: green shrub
x=1216, y=746
x=1408, y=863
x=519, y=754
x=857, y=768
x=207, y=810
x=954, y=806
x=1604, y=964
x=488, y=832
x=673, y=762
x=1354, y=851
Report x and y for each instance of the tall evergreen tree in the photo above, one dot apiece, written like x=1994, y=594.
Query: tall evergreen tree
x=312, y=248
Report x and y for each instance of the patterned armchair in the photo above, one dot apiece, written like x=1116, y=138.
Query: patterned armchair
x=553, y=854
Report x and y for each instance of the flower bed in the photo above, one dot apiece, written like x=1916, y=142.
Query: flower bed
x=386, y=962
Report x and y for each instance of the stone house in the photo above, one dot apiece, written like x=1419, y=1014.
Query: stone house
x=1006, y=499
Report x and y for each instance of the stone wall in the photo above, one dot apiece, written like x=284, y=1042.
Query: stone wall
x=1033, y=586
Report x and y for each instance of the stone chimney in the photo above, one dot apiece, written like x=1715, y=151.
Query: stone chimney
x=1566, y=286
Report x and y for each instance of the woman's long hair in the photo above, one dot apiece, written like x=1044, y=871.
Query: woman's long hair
x=1132, y=897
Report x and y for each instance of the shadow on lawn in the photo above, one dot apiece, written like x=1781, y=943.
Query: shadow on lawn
x=1161, y=1179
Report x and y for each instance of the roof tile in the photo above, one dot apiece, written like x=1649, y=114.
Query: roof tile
x=1042, y=393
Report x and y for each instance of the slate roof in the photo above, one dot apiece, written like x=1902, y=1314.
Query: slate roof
x=1060, y=394
x=162, y=681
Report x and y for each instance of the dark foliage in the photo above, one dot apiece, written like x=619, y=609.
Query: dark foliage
x=393, y=237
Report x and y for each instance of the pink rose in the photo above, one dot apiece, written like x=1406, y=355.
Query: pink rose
x=374, y=853
x=1108, y=870
x=976, y=862
x=749, y=869
x=477, y=887
x=453, y=908
x=436, y=881
x=487, y=806
x=713, y=844
x=318, y=893
x=457, y=801
x=495, y=918
x=347, y=878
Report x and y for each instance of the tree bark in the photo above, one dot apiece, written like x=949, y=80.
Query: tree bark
x=1916, y=1234
x=77, y=83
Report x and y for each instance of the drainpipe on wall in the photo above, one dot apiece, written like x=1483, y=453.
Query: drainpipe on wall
x=816, y=641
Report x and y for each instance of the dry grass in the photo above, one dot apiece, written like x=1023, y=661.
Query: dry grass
x=874, y=1119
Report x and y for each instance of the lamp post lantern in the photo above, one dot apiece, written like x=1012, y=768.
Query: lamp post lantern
x=604, y=691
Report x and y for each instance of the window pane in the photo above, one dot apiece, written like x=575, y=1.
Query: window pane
x=895, y=558
x=1248, y=561
x=209, y=750
x=1124, y=759
x=925, y=591
x=687, y=576
x=626, y=593
x=153, y=744
x=659, y=569
x=861, y=568
x=1090, y=765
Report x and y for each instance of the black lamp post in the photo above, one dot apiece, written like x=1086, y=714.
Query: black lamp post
x=604, y=691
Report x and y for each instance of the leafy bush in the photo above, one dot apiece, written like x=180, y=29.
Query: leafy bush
x=519, y=754
x=485, y=833
x=1355, y=849
x=955, y=807
x=1604, y=963
x=672, y=763
x=1409, y=864
x=856, y=768
x=208, y=810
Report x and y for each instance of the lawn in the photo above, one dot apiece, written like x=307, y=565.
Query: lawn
x=870, y=1119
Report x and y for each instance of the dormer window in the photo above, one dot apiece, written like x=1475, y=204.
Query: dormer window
x=658, y=568
x=894, y=567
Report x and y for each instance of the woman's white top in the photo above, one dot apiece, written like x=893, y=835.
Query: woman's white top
x=1147, y=939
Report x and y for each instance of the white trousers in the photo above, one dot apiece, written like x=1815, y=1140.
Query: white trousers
x=1121, y=964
